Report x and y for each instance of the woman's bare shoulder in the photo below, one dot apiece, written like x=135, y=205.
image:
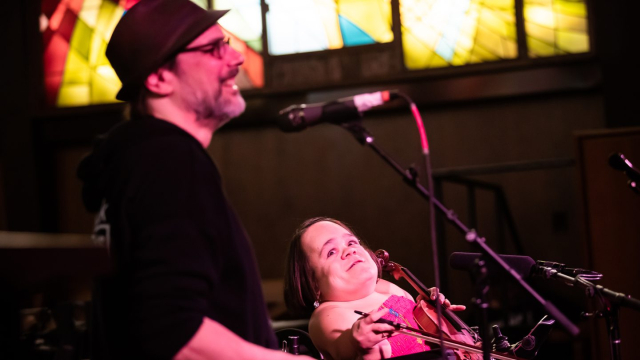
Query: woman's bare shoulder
x=331, y=312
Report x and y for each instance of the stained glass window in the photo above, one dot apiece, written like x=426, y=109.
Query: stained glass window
x=75, y=36
x=295, y=26
x=243, y=23
x=437, y=33
x=556, y=27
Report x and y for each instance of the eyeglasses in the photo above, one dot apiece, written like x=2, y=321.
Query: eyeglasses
x=217, y=49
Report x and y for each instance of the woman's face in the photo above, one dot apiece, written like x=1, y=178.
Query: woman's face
x=343, y=269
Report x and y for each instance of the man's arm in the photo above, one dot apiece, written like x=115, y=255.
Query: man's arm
x=214, y=341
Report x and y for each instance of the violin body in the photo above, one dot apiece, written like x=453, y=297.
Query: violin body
x=425, y=313
x=457, y=335
x=426, y=316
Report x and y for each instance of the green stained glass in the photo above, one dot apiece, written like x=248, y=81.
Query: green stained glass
x=78, y=70
x=437, y=33
x=81, y=39
x=556, y=27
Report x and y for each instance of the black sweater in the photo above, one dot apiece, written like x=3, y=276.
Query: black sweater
x=180, y=252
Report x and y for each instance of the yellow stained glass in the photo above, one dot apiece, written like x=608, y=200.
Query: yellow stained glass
x=572, y=23
x=572, y=8
x=74, y=95
x=540, y=48
x=541, y=33
x=81, y=84
x=103, y=86
x=368, y=15
x=328, y=14
x=556, y=27
x=438, y=33
x=572, y=42
x=78, y=71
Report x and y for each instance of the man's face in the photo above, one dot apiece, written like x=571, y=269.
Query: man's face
x=206, y=78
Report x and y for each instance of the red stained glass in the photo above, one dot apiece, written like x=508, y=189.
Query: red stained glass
x=56, y=18
x=67, y=24
x=55, y=55
x=75, y=5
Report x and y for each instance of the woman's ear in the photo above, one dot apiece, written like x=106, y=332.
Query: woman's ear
x=161, y=82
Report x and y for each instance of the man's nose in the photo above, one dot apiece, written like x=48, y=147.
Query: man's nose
x=235, y=57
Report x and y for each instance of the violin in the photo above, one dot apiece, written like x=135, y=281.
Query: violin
x=452, y=327
x=456, y=334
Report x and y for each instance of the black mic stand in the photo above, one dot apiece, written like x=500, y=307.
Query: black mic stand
x=410, y=177
x=613, y=302
x=480, y=275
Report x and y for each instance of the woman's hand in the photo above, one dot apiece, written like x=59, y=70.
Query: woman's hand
x=370, y=337
x=444, y=301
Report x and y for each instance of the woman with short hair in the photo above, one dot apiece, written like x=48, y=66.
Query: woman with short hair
x=330, y=274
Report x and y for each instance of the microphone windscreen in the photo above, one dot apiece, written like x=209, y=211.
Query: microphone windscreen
x=617, y=161
x=523, y=265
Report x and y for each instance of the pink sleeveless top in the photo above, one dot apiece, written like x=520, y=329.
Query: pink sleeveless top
x=401, y=311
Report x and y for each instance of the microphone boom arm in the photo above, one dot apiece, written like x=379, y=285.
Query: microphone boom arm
x=410, y=177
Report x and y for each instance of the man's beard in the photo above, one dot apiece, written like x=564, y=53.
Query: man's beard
x=217, y=107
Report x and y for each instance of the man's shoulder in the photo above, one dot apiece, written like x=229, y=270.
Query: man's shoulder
x=148, y=140
x=152, y=132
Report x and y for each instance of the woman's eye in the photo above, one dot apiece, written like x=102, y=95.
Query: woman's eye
x=331, y=252
x=353, y=242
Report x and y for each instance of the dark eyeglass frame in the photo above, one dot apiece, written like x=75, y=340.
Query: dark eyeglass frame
x=217, y=48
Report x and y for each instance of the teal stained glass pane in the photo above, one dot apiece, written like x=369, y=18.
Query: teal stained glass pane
x=352, y=34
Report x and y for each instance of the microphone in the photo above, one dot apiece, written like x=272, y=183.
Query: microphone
x=299, y=117
x=524, y=265
x=619, y=162
x=542, y=266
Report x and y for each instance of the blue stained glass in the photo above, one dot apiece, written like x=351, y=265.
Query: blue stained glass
x=352, y=35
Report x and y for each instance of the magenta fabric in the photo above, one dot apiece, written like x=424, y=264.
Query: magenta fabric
x=403, y=344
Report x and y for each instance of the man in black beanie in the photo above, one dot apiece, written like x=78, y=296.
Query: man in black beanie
x=185, y=283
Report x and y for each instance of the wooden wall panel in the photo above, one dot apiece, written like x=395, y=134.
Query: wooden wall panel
x=612, y=218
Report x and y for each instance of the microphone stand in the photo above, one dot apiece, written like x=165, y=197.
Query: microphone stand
x=410, y=177
x=614, y=300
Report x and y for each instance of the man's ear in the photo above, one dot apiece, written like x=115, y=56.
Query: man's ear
x=161, y=82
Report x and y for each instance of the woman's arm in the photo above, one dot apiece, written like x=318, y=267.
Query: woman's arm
x=341, y=334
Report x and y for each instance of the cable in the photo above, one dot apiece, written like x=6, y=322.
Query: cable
x=432, y=211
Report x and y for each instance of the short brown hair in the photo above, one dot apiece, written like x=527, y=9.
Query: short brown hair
x=300, y=287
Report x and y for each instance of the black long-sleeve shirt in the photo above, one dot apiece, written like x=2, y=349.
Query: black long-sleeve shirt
x=179, y=250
